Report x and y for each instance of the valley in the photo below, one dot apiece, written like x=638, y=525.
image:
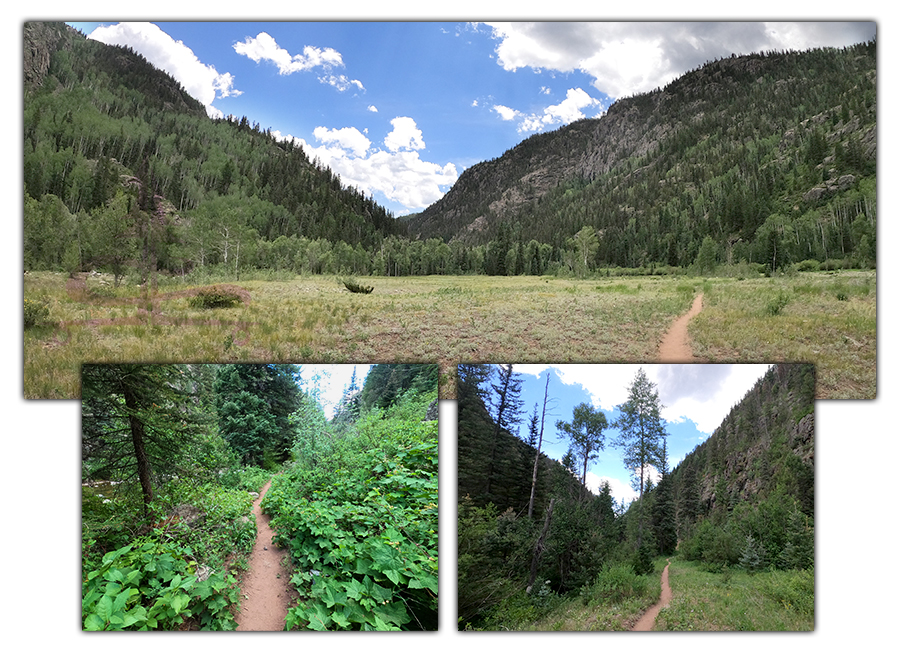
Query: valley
x=829, y=318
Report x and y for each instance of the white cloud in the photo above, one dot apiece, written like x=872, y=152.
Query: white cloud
x=341, y=82
x=404, y=136
x=700, y=393
x=264, y=47
x=567, y=111
x=505, y=112
x=201, y=81
x=373, y=109
x=630, y=58
x=399, y=173
x=345, y=139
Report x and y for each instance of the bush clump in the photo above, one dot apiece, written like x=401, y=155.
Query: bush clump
x=356, y=288
x=36, y=313
x=215, y=297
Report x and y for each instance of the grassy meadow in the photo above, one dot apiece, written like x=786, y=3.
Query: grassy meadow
x=829, y=319
x=737, y=601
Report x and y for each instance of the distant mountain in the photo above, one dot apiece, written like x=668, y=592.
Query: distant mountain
x=106, y=131
x=718, y=152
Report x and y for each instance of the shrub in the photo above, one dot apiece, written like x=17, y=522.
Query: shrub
x=36, y=313
x=776, y=305
x=617, y=582
x=219, y=296
x=808, y=265
x=148, y=585
x=352, y=285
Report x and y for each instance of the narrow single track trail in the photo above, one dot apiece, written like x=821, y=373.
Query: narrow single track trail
x=649, y=618
x=675, y=346
x=266, y=589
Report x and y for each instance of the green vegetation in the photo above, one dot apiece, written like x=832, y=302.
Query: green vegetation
x=166, y=495
x=737, y=514
x=828, y=319
x=359, y=514
x=442, y=319
x=737, y=600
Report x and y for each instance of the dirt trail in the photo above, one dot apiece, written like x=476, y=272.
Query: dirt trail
x=649, y=619
x=675, y=346
x=265, y=590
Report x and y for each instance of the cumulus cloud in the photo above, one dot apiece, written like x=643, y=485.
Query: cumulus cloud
x=201, y=81
x=567, y=111
x=398, y=171
x=347, y=139
x=264, y=48
x=404, y=136
x=629, y=58
x=700, y=393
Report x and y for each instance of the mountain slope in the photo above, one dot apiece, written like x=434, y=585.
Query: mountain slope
x=716, y=152
x=101, y=121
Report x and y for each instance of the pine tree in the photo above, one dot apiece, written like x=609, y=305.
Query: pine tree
x=642, y=434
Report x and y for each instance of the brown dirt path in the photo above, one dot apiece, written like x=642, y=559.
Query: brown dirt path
x=649, y=618
x=675, y=346
x=265, y=589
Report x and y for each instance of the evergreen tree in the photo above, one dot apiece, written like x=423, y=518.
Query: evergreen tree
x=254, y=404
x=642, y=434
x=138, y=422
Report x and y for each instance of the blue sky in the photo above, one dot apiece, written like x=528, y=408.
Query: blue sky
x=330, y=380
x=401, y=109
x=695, y=398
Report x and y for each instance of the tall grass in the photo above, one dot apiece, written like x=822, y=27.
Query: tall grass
x=824, y=318
x=440, y=319
x=738, y=601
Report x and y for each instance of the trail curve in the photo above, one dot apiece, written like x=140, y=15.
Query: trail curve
x=649, y=618
x=675, y=346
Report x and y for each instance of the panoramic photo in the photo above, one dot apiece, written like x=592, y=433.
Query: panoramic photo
x=259, y=497
x=636, y=497
x=447, y=192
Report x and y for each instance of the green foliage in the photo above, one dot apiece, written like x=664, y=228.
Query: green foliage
x=753, y=556
x=356, y=288
x=777, y=303
x=359, y=517
x=36, y=313
x=219, y=296
x=616, y=582
x=152, y=586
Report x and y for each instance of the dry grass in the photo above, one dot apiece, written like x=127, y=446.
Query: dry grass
x=826, y=319
x=453, y=319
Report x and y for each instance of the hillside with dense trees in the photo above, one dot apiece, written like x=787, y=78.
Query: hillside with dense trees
x=769, y=156
x=766, y=160
x=744, y=499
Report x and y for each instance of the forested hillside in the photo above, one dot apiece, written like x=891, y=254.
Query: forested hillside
x=743, y=499
x=766, y=160
x=771, y=156
x=120, y=163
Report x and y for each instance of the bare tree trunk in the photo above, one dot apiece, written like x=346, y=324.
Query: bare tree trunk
x=539, y=547
x=537, y=455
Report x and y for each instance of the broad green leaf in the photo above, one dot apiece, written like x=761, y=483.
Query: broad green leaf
x=93, y=622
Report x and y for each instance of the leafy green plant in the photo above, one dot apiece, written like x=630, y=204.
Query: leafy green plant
x=147, y=585
x=360, y=520
x=777, y=304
